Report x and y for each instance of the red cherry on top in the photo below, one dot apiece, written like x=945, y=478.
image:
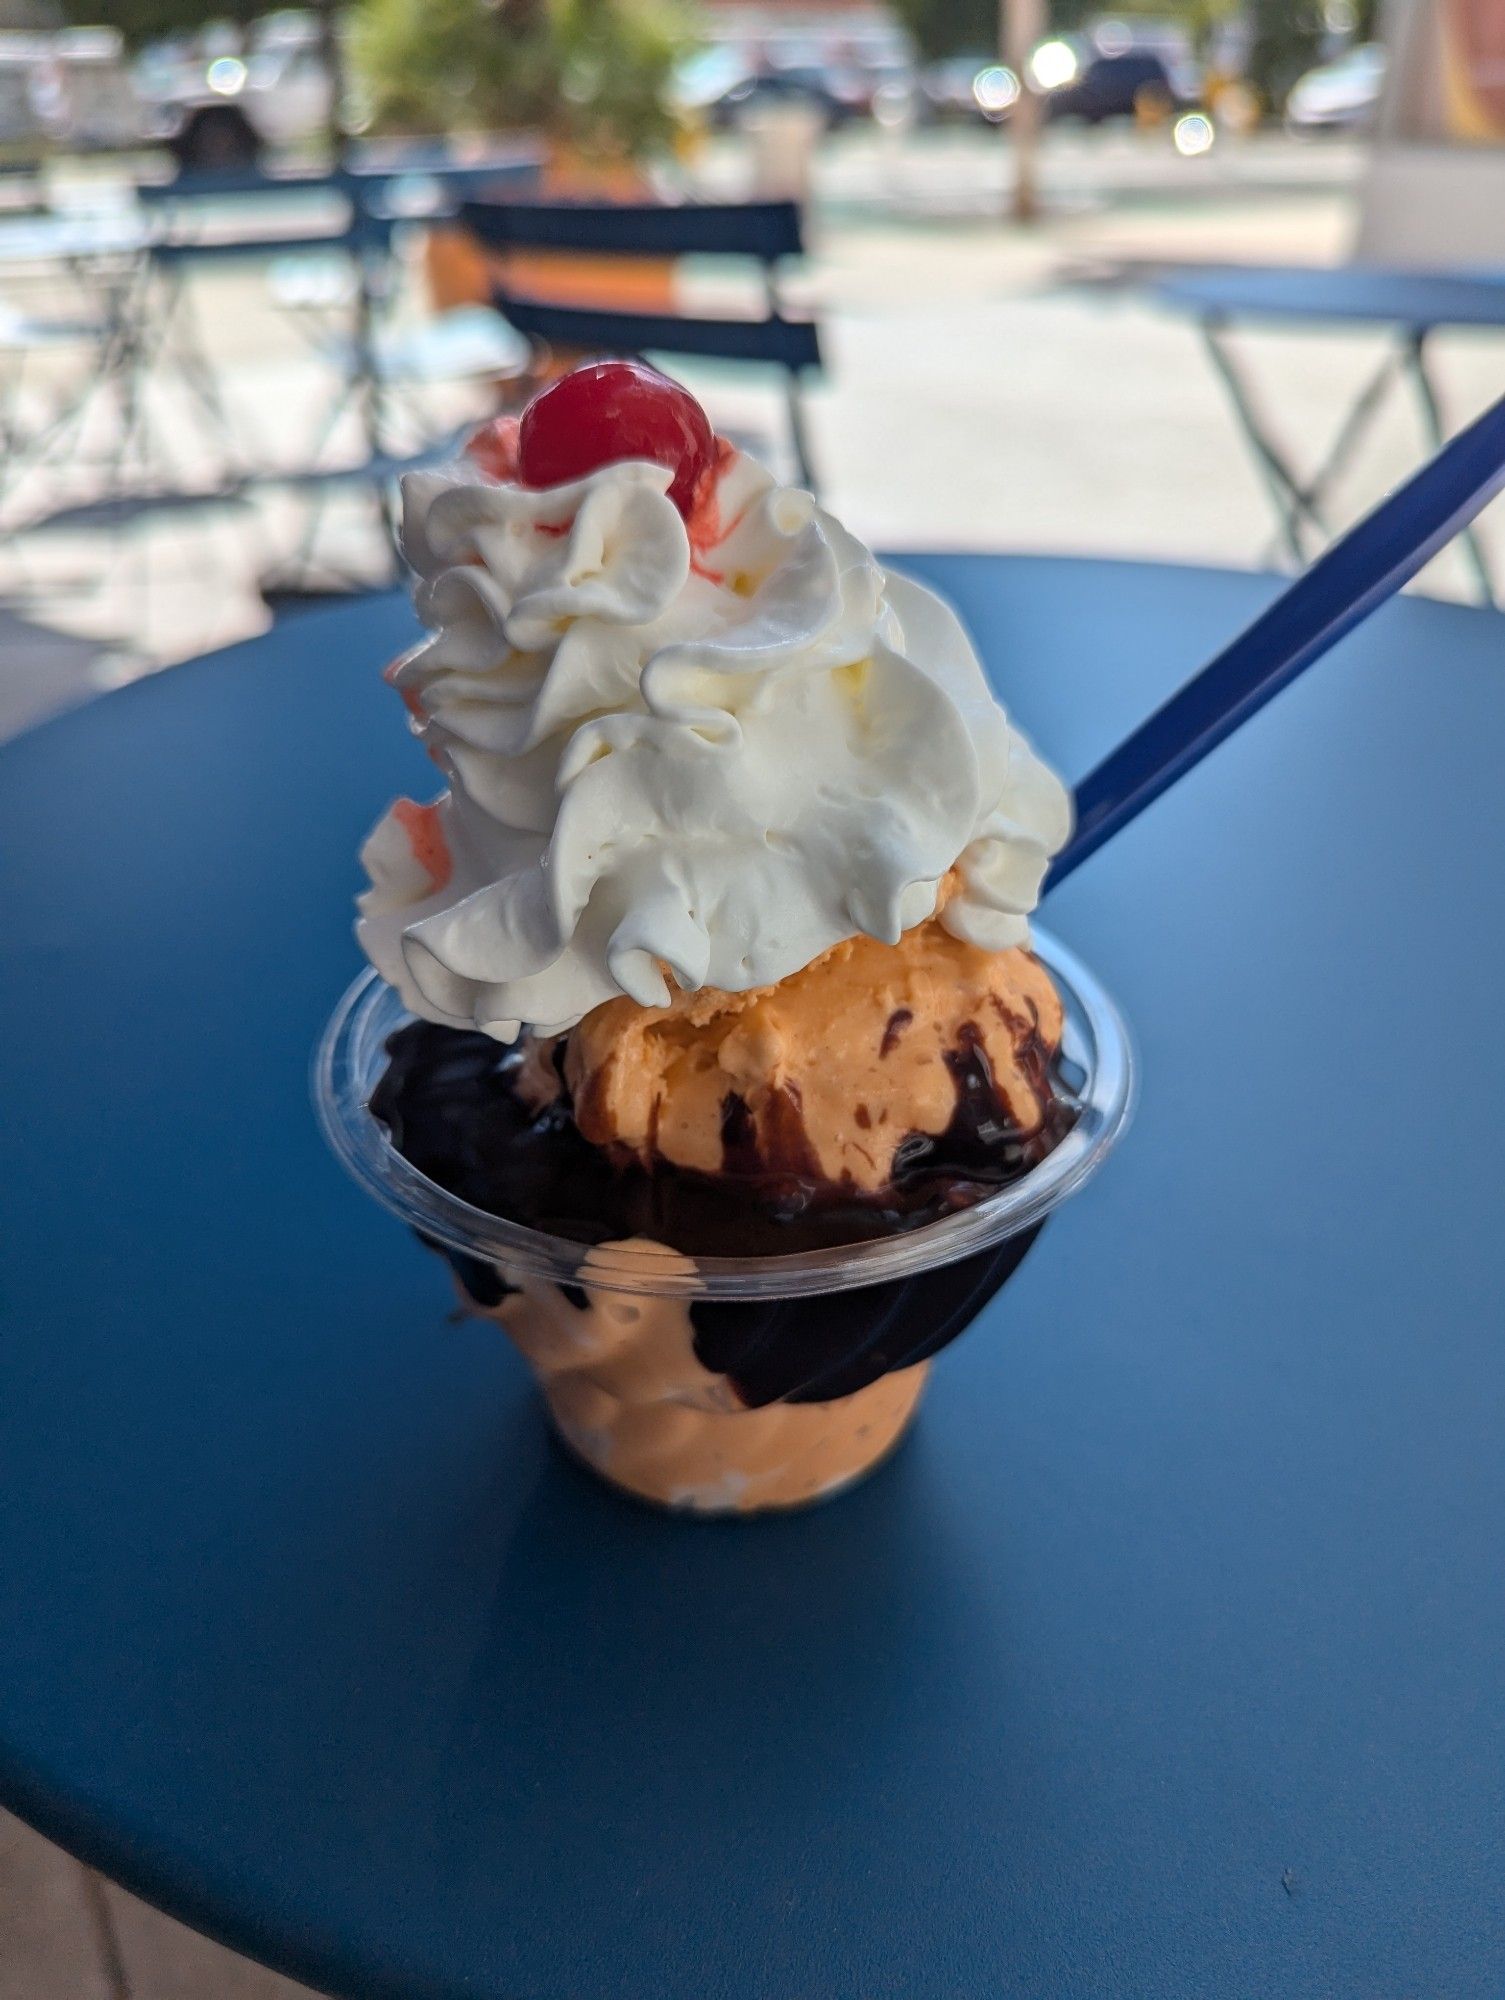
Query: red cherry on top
x=493, y=447
x=611, y=410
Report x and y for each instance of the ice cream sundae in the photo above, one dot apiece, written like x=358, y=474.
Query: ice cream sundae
x=714, y=940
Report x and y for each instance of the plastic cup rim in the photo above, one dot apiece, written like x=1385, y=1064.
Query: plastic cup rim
x=347, y=1063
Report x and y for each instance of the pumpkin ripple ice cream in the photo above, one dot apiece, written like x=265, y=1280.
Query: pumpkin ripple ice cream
x=716, y=939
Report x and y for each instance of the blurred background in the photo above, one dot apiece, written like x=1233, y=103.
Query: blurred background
x=252, y=264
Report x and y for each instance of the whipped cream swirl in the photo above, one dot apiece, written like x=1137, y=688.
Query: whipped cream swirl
x=703, y=761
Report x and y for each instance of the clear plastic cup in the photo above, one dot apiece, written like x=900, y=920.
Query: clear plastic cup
x=723, y=1384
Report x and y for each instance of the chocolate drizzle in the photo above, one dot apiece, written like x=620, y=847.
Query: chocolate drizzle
x=784, y=1147
x=739, y=1136
x=898, y=1021
x=449, y=1100
x=777, y=1146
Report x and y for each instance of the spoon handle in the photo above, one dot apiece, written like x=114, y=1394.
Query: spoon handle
x=1348, y=581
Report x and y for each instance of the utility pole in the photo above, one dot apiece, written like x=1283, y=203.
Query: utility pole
x=332, y=55
x=1021, y=27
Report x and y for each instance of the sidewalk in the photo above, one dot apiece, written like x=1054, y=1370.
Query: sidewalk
x=66, y=1934
x=974, y=397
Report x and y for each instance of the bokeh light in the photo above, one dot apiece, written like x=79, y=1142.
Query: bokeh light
x=1193, y=134
x=1053, y=65
x=225, y=75
x=995, y=89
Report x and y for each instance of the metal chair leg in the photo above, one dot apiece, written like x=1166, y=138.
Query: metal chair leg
x=65, y=429
x=1291, y=503
x=799, y=436
x=181, y=348
x=1415, y=358
x=798, y=433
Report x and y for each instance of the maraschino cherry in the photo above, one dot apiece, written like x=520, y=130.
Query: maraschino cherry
x=493, y=447
x=608, y=411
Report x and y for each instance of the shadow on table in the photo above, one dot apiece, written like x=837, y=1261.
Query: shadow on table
x=697, y=1672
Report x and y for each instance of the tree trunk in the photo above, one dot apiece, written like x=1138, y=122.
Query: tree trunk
x=1022, y=24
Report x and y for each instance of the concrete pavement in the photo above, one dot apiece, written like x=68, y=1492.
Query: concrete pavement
x=976, y=396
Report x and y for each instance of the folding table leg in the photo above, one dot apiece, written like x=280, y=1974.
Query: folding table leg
x=1431, y=416
x=1352, y=430
x=1291, y=502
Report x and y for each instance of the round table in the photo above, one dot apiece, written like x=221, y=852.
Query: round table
x=1165, y=1660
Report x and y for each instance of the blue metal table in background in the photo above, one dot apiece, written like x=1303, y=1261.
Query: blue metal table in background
x=1409, y=306
x=1165, y=1660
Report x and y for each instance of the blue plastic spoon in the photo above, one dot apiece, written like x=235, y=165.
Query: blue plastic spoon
x=1348, y=581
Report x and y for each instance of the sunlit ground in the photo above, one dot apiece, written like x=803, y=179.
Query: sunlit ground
x=987, y=387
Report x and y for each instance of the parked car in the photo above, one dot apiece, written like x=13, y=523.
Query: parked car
x=874, y=88
x=802, y=84
x=1118, y=70
x=705, y=76
x=221, y=110
x=1340, y=96
x=968, y=87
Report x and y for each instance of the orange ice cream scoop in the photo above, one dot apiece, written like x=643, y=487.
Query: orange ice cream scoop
x=826, y=1074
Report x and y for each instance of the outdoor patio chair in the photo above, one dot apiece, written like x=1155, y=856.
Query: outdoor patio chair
x=190, y=234
x=766, y=232
x=340, y=301
x=150, y=334
x=182, y=226
x=23, y=336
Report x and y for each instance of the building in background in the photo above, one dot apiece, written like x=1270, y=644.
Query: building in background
x=1450, y=85
x=1436, y=189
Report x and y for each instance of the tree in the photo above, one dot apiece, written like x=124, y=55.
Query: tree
x=1286, y=40
x=951, y=27
x=966, y=27
x=28, y=14
x=595, y=73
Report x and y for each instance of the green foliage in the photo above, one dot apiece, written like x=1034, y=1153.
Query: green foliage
x=964, y=27
x=970, y=27
x=594, y=73
x=951, y=27
x=450, y=65
x=1286, y=40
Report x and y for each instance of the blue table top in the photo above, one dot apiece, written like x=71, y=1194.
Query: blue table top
x=1166, y=1658
x=1369, y=293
